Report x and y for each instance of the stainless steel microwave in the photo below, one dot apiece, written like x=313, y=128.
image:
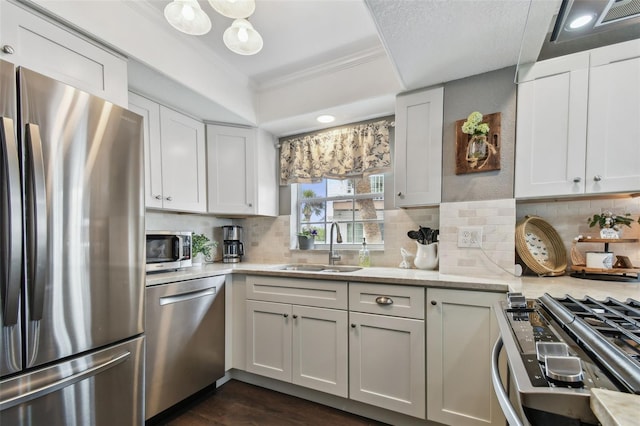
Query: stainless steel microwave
x=168, y=250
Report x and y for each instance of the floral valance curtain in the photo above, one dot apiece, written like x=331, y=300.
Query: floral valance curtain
x=354, y=151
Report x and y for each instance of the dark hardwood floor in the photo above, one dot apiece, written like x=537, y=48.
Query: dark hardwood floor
x=238, y=403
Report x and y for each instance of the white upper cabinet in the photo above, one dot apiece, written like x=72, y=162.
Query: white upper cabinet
x=613, y=132
x=418, y=148
x=37, y=43
x=578, y=127
x=175, y=162
x=242, y=171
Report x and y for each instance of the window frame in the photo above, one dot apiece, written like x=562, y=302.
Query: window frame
x=355, y=246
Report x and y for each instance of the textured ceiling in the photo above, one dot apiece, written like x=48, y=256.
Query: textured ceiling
x=433, y=41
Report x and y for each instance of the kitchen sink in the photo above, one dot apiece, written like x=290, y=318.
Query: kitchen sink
x=310, y=267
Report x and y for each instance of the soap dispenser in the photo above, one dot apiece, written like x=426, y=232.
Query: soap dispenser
x=363, y=256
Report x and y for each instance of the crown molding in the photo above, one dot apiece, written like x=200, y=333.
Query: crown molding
x=361, y=57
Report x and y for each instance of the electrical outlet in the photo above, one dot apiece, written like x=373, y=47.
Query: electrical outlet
x=470, y=236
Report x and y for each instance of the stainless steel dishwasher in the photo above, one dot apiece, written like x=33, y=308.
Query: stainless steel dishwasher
x=185, y=340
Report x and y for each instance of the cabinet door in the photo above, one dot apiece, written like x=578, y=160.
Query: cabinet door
x=551, y=129
x=461, y=331
x=184, y=172
x=150, y=112
x=418, y=152
x=231, y=163
x=269, y=339
x=320, y=349
x=59, y=53
x=613, y=142
x=387, y=362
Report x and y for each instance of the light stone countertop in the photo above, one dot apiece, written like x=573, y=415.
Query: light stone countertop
x=530, y=286
x=615, y=408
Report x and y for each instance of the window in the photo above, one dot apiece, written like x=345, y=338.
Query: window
x=357, y=205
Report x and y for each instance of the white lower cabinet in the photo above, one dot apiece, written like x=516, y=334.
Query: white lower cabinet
x=387, y=347
x=386, y=362
x=461, y=331
x=304, y=345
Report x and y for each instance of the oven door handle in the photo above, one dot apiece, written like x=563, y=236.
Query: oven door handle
x=503, y=398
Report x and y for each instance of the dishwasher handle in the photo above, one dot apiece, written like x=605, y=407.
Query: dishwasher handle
x=503, y=398
x=183, y=297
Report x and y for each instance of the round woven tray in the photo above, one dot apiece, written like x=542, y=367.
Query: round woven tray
x=540, y=247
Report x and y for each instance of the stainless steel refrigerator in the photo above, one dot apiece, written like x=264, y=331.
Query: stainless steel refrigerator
x=71, y=256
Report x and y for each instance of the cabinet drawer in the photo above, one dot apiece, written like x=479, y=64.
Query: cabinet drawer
x=396, y=300
x=319, y=293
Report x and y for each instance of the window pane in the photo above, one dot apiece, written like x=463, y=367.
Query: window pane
x=312, y=211
x=336, y=188
x=373, y=184
x=340, y=211
x=312, y=190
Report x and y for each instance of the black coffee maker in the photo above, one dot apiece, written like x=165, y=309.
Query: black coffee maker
x=233, y=249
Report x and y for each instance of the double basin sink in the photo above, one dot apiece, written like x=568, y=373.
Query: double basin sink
x=307, y=267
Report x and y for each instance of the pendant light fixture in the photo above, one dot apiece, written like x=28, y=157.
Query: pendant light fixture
x=234, y=8
x=242, y=38
x=188, y=17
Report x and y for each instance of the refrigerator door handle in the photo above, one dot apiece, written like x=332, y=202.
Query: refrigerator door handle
x=36, y=238
x=63, y=383
x=10, y=171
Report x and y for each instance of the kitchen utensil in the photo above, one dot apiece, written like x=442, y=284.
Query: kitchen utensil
x=414, y=235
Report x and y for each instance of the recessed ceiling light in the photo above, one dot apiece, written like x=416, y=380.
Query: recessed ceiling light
x=326, y=118
x=580, y=21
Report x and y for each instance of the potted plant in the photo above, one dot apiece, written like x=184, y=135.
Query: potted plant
x=610, y=223
x=201, y=247
x=306, y=238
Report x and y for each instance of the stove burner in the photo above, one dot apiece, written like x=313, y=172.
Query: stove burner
x=609, y=330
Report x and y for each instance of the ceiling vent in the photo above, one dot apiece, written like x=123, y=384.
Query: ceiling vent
x=618, y=10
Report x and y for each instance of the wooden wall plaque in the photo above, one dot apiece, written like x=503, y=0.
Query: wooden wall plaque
x=474, y=156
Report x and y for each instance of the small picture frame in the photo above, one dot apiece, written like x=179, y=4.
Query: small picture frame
x=478, y=154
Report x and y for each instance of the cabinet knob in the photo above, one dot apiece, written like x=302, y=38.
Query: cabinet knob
x=169, y=198
x=353, y=326
x=8, y=49
x=250, y=205
x=158, y=197
x=597, y=178
x=577, y=179
x=285, y=315
x=399, y=194
x=384, y=300
x=434, y=303
x=295, y=316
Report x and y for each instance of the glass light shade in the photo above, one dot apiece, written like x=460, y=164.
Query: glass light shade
x=188, y=17
x=242, y=38
x=234, y=8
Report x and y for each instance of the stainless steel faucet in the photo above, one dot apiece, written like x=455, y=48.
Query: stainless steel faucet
x=332, y=256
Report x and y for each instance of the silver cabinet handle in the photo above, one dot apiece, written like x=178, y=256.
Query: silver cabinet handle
x=597, y=178
x=158, y=197
x=285, y=315
x=169, y=198
x=8, y=49
x=353, y=326
x=503, y=398
x=67, y=381
x=10, y=173
x=434, y=303
x=399, y=194
x=384, y=300
x=37, y=229
x=183, y=297
x=577, y=179
x=295, y=317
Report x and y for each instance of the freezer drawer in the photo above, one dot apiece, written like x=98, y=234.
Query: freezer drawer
x=101, y=388
x=185, y=340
